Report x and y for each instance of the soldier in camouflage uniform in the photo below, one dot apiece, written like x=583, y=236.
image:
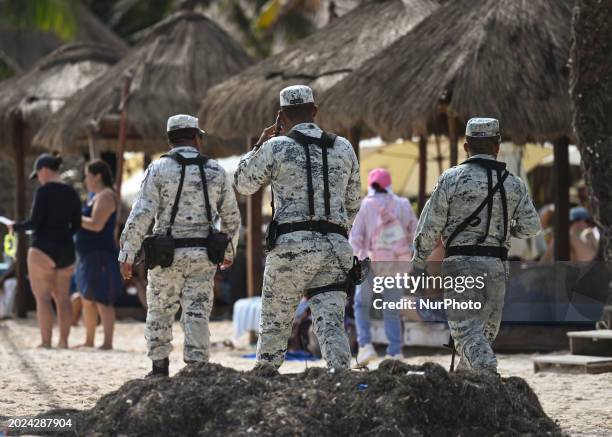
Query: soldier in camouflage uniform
x=188, y=282
x=476, y=239
x=304, y=261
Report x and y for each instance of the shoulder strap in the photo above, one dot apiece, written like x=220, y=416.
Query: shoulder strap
x=489, y=198
x=502, y=192
x=175, y=206
x=489, y=204
x=326, y=141
x=206, y=199
x=200, y=161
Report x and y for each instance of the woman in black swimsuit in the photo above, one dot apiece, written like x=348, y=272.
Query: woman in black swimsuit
x=56, y=216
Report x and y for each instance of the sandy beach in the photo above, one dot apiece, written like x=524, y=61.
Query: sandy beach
x=35, y=380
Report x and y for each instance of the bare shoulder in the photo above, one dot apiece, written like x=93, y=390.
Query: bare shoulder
x=106, y=198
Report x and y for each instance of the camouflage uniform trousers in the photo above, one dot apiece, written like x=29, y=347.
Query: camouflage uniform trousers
x=188, y=282
x=300, y=261
x=474, y=331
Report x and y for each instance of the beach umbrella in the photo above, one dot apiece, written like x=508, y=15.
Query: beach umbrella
x=25, y=46
x=506, y=59
x=27, y=100
x=248, y=102
x=166, y=73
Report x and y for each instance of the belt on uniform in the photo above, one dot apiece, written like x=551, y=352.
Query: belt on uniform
x=339, y=286
x=180, y=243
x=321, y=226
x=492, y=251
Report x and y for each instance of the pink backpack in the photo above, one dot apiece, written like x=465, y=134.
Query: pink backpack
x=390, y=240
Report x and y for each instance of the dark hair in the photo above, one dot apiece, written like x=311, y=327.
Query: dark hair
x=58, y=160
x=378, y=188
x=180, y=135
x=482, y=145
x=298, y=112
x=99, y=167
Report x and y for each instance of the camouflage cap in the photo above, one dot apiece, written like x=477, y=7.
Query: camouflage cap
x=482, y=128
x=296, y=95
x=183, y=121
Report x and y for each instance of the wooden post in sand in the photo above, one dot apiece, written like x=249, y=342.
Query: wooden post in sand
x=422, y=171
x=354, y=136
x=453, y=138
x=123, y=126
x=561, y=185
x=254, y=238
x=19, y=150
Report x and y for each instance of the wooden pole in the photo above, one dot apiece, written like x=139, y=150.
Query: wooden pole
x=254, y=253
x=354, y=136
x=93, y=151
x=123, y=127
x=439, y=157
x=453, y=138
x=19, y=149
x=422, y=171
x=561, y=184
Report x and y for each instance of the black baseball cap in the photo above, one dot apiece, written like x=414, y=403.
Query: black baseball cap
x=45, y=160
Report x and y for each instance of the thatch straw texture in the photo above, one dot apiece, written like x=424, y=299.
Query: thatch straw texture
x=248, y=102
x=46, y=87
x=171, y=68
x=26, y=46
x=500, y=58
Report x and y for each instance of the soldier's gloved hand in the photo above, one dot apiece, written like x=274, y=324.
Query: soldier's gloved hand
x=226, y=264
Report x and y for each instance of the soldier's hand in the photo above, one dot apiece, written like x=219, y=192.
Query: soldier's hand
x=126, y=270
x=226, y=264
x=267, y=133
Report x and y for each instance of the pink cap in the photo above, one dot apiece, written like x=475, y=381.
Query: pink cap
x=381, y=176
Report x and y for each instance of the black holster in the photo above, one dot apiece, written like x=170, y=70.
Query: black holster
x=359, y=272
x=158, y=250
x=216, y=245
x=271, y=235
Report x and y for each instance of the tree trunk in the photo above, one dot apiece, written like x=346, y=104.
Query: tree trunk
x=591, y=89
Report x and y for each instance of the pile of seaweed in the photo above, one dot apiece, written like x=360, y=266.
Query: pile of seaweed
x=397, y=399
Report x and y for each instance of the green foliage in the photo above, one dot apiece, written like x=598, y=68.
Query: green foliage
x=5, y=71
x=57, y=16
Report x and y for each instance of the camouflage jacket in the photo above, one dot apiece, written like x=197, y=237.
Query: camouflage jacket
x=156, y=198
x=460, y=190
x=282, y=162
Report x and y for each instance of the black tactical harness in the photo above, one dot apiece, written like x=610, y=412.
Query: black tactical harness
x=500, y=251
x=324, y=227
x=159, y=249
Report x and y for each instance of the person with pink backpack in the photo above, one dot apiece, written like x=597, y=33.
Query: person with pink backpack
x=383, y=230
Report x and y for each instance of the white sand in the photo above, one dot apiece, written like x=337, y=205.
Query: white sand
x=33, y=380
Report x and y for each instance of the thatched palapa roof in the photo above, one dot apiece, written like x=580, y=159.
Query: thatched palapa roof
x=505, y=59
x=26, y=46
x=44, y=89
x=171, y=67
x=248, y=102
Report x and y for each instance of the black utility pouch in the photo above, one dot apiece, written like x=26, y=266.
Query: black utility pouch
x=271, y=235
x=216, y=245
x=158, y=251
x=359, y=272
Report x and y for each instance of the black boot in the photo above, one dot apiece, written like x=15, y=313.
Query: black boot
x=160, y=368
